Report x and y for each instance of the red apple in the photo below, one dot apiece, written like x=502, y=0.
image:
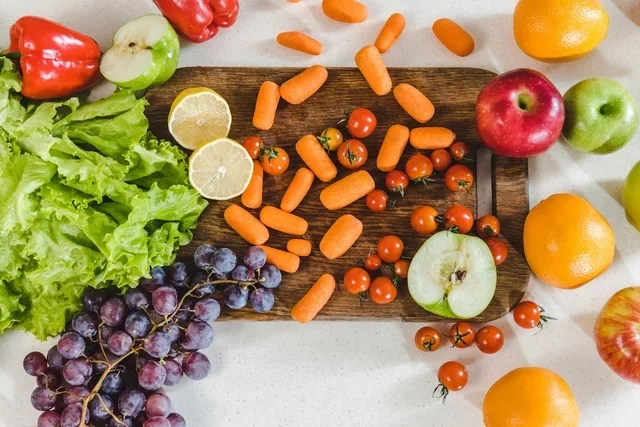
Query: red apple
x=617, y=333
x=520, y=113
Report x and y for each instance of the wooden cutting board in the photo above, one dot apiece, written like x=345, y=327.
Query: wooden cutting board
x=453, y=91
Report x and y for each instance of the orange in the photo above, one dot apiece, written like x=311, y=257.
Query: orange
x=567, y=242
x=530, y=397
x=559, y=30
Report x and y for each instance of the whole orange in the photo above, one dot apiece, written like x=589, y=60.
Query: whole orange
x=567, y=242
x=530, y=397
x=559, y=30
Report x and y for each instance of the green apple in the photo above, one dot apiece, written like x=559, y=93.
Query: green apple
x=453, y=275
x=601, y=116
x=631, y=196
x=144, y=54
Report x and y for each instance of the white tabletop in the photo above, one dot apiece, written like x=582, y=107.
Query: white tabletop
x=364, y=373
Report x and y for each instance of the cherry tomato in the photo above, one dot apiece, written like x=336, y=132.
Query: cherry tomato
x=382, y=290
x=377, y=201
x=458, y=219
x=352, y=154
x=498, y=249
x=487, y=226
x=423, y=220
x=390, y=248
x=419, y=168
x=331, y=139
x=356, y=280
x=441, y=159
x=452, y=376
x=253, y=144
x=397, y=181
x=428, y=339
x=460, y=152
x=458, y=178
x=528, y=315
x=274, y=160
x=489, y=339
x=361, y=123
x=462, y=334
x=373, y=262
x=401, y=268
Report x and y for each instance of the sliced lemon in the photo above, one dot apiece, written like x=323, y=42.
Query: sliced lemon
x=198, y=115
x=220, y=169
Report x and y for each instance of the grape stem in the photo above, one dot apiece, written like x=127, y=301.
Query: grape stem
x=135, y=350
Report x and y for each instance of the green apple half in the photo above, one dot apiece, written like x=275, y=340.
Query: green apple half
x=144, y=54
x=601, y=116
x=453, y=275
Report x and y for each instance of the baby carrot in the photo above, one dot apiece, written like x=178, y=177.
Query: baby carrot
x=299, y=247
x=246, y=225
x=252, y=196
x=300, y=41
x=283, y=221
x=414, y=102
x=299, y=187
x=453, y=37
x=347, y=11
x=314, y=156
x=370, y=64
x=266, y=105
x=347, y=190
x=284, y=260
x=390, y=32
x=431, y=138
x=310, y=305
x=341, y=236
x=392, y=147
x=298, y=88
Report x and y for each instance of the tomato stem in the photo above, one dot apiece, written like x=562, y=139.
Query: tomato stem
x=443, y=393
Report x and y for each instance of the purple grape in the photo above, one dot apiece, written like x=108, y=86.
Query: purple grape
x=50, y=378
x=206, y=289
x=75, y=394
x=207, y=310
x=178, y=274
x=224, y=261
x=236, y=296
x=157, y=422
x=113, y=383
x=196, y=366
x=198, y=277
x=176, y=420
x=72, y=415
x=165, y=300
x=135, y=299
x=43, y=399
x=92, y=299
x=262, y=300
x=137, y=324
x=172, y=331
x=77, y=371
x=199, y=335
x=158, y=405
x=157, y=345
x=100, y=363
x=55, y=359
x=34, y=363
x=131, y=402
x=158, y=278
x=202, y=256
x=127, y=422
x=113, y=312
x=151, y=376
x=174, y=351
x=185, y=313
x=174, y=372
x=100, y=406
x=220, y=276
x=270, y=276
x=71, y=345
x=85, y=323
x=49, y=419
x=106, y=332
x=243, y=274
x=120, y=343
x=255, y=257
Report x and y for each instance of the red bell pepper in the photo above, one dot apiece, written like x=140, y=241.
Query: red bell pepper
x=199, y=20
x=56, y=62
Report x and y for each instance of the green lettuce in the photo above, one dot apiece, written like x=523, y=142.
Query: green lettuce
x=88, y=197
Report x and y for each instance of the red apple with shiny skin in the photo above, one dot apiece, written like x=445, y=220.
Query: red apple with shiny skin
x=519, y=114
x=617, y=333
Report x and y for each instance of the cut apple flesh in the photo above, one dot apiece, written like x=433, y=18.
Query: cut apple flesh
x=453, y=275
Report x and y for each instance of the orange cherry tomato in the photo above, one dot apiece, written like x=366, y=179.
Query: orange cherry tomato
x=390, y=248
x=352, y=154
x=458, y=178
x=401, y=268
x=423, y=220
x=377, y=201
x=356, y=280
x=487, y=226
x=498, y=249
x=331, y=139
x=382, y=290
x=452, y=376
x=462, y=335
x=373, y=262
x=428, y=339
x=253, y=144
x=441, y=159
x=458, y=219
x=274, y=160
x=489, y=339
x=419, y=168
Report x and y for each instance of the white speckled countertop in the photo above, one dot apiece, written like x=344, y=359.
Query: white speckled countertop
x=370, y=374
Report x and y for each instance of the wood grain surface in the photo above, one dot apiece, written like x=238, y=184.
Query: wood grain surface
x=453, y=91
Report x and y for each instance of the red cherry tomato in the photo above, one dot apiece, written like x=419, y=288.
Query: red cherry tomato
x=390, y=248
x=253, y=144
x=382, y=290
x=419, y=168
x=423, y=220
x=352, y=154
x=462, y=335
x=361, y=123
x=377, y=201
x=487, y=226
x=528, y=315
x=427, y=339
x=458, y=178
x=460, y=152
x=452, y=376
x=401, y=268
x=489, y=339
x=356, y=280
x=274, y=160
x=373, y=262
x=441, y=159
x=498, y=249
x=458, y=219
x=397, y=181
